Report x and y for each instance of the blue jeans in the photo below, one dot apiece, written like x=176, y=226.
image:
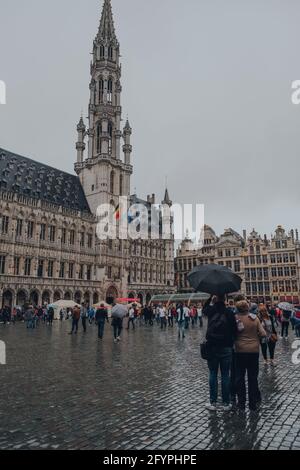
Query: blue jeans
x=220, y=358
x=101, y=329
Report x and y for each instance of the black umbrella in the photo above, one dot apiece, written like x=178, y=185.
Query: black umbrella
x=214, y=279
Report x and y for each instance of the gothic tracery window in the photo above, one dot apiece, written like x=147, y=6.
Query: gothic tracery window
x=110, y=135
x=101, y=90
x=112, y=182
x=109, y=90
x=102, y=52
x=121, y=185
x=110, y=52
x=94, y=91
x=99, y=132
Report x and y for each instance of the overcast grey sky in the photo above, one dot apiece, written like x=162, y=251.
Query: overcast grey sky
x=206, y=85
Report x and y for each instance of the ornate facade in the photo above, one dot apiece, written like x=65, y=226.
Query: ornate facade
x=270, y=269
x=48, y=244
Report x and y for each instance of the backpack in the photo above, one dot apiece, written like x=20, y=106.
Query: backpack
x=218, y=327
x=286, y=315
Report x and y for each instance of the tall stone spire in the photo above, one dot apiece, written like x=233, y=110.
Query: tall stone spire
x=107, y=28
x=104, y=174
x=167, y=199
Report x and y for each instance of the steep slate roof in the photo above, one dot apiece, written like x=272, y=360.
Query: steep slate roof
x=27, y=177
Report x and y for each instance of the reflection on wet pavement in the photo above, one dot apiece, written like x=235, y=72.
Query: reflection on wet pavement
x=148, y=392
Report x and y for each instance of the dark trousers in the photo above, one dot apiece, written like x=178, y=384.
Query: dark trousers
x=118, y=326
x=233, y=379
x=297, y=331
x=163, y=323
x=200, y=322
x=247, y=362
x=270, y=345
x=285, y=328
x=74, y=325
x=220, y=359
x=131, y=320
x=83, y=319
x=101, y=325
x=170, y=321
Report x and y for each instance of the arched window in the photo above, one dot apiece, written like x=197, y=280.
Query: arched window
x=94, y=91
x=101, y=90
x=110, y=135
x=99, y=132
x=121, y=185
x=112, y=182
x=109, y=90
x=110, y=52
x=102, y=52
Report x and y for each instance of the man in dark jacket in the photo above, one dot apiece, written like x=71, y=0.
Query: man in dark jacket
x=221, y=331
x=50, y=315
x=100, y=318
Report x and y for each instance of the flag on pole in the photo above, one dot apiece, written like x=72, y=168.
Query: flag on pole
x=117, y=212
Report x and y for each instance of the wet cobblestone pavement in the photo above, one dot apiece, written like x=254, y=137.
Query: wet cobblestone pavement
x=147, y=392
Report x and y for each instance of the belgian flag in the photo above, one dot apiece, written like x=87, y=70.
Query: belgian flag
x=117, y=213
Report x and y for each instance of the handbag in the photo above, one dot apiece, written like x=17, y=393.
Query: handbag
x=205, y=351
x=274, y=338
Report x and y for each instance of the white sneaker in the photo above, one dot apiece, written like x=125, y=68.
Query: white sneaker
x=211, y=406
x=118, y=338
x=227, y=407
x=115, y=340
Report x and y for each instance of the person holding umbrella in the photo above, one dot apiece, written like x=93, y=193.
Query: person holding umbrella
x=222, y=326
x=221, y=332
x=118, y=312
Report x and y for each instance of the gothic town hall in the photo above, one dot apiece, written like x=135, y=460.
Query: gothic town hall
x=48, y=244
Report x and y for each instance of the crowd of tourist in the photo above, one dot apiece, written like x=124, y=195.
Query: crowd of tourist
x=237, y=331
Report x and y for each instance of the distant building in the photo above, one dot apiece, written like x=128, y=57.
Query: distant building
x=270, y=269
